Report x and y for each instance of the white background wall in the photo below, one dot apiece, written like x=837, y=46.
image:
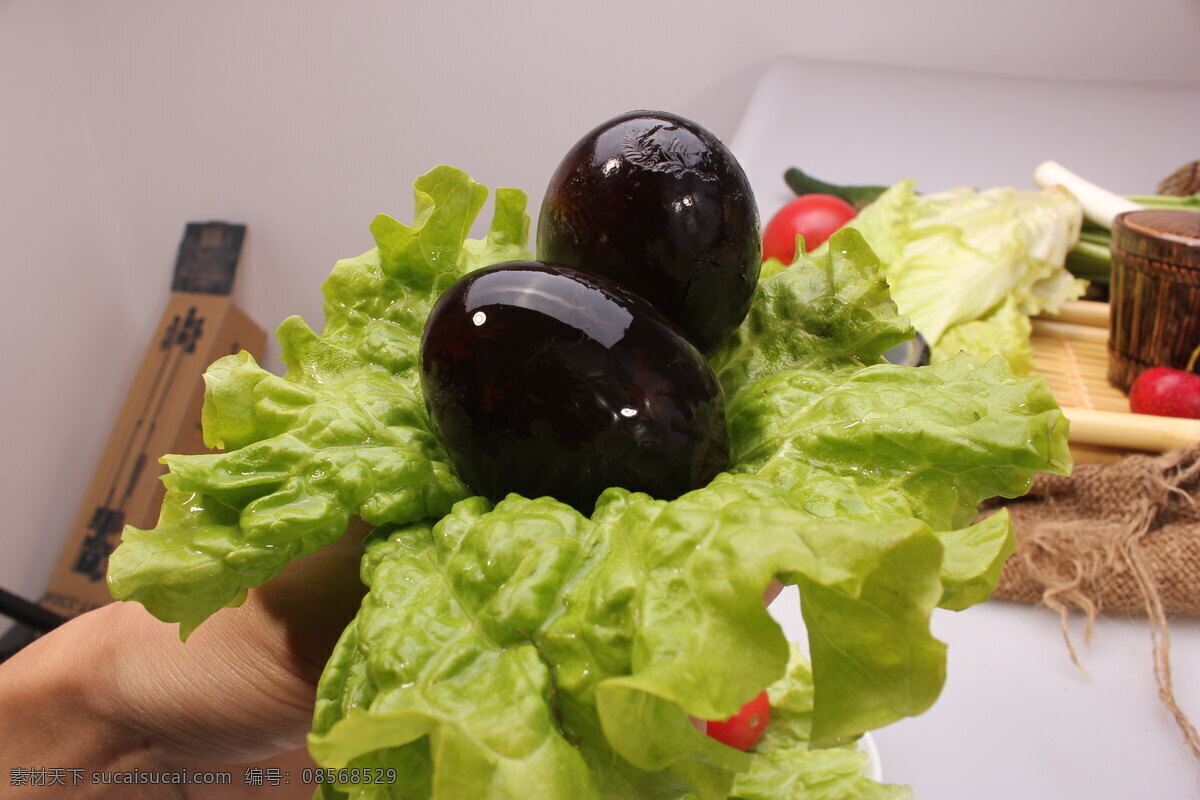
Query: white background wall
x=120, y=120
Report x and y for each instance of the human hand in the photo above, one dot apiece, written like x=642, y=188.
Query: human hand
x=115, y=686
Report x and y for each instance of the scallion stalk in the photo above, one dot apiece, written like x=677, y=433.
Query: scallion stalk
x=1099, y=205
x=1185, y=202
x=1090, y=261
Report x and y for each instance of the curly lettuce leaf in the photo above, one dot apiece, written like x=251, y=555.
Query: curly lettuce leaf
x=825, y=311
x=892, y=442
x=561, y=655
x=344, y=433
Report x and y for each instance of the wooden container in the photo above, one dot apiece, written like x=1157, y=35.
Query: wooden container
x=1155, y=292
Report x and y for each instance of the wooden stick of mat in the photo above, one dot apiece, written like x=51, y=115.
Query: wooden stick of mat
x=1131, y=431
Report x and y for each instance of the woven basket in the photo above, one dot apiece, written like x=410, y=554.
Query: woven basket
x=1182, y=182
x=1155, y=292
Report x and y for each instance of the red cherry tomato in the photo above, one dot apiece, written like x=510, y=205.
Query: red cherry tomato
x=745, y=728
x=816, y=216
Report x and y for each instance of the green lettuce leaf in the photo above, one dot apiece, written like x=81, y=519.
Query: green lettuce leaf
x=892, y=442
x=1006, y=332
x=560, y=656
x=959, y=256
x=344, y=433
x=832, y=309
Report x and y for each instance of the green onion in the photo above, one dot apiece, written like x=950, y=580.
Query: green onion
x=857, y=196
x=1166, y=201
x=1090, y=261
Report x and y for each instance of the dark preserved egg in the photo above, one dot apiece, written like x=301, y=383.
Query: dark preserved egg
x=658, y=204
x=544, y=380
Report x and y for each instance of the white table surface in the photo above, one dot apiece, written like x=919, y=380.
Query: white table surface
x=1016, y=718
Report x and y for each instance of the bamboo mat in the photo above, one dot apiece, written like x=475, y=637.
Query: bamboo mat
x=1071, y=350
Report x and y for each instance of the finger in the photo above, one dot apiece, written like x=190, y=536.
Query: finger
x=315, y=597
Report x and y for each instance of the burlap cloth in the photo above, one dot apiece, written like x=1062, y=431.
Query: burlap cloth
x=1120, y=538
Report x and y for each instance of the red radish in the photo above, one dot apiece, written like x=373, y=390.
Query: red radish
x=1167, y=392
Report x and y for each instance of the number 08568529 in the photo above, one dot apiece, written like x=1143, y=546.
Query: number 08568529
x=348, y=775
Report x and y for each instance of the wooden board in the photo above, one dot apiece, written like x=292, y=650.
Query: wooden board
x=1071, y=350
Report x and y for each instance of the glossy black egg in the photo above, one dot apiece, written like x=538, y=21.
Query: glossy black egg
x=658, y=204
x=544, y=380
